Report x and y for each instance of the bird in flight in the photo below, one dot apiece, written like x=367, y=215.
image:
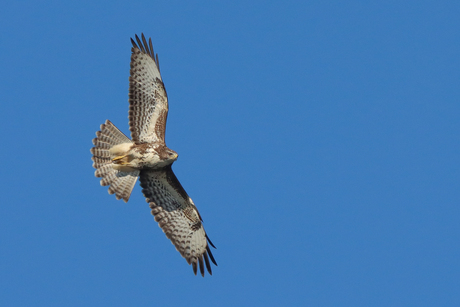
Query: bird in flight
x=119, y=161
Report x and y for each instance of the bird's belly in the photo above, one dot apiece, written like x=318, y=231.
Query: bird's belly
x=149, y=160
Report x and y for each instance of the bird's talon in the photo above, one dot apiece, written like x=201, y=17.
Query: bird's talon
x=118, y=160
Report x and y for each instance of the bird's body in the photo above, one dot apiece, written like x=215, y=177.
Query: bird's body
x=120, y=160
x=129, y=157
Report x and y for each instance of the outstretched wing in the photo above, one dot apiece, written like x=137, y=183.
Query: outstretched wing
x=148, y=102
x=177, y=216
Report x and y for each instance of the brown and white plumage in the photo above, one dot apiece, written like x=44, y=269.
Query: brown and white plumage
x=177, y=215
x=120, y=183
x=119, y=160
x=148, y=102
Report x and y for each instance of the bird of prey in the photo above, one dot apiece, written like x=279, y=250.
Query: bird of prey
x=119, y=161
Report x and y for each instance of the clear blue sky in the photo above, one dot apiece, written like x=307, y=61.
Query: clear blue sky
x=319, y=140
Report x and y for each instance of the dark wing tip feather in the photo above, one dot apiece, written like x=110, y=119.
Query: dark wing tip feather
x=151, y=46
x=134, y=44
x=148, y=47
x=157, y=62
x=194, y=267
x=207, y=238
x=210, y=255
x=200, y=260
x=139, y=44
x=152, y=53
x=208, y=265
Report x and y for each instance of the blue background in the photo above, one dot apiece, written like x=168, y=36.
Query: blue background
x=319, y=139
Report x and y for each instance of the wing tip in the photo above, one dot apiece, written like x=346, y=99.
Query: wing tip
x=209, y=241
x=208, y=250
x=145, y=47
x=208, y=265
x=194, y=267
x=200, y=261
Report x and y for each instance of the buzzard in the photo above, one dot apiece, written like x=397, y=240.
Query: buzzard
x=119, y=161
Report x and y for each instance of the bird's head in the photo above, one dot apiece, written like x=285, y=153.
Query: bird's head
x=172, y=155
x=166, y=155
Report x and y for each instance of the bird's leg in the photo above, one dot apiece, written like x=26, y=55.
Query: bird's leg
x=123, y=160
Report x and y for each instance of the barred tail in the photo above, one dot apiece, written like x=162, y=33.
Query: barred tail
x=121, y=182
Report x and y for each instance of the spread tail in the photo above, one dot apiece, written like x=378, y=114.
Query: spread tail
x=120, y=183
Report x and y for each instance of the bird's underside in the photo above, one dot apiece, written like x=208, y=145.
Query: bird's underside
x=119, y=160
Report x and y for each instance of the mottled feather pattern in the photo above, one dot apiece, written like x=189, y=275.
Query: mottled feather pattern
x=147, y=96
x=165, y=196
x=120, y=183
x=119, y=160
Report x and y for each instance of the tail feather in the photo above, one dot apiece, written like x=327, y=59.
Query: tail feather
x=105, y=171
x=120, y=183
x=105, y=138
x=100, y=152
x=111, y=134
x=101, y=145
